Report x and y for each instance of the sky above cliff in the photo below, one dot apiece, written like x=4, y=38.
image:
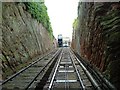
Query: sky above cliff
x=62, y=14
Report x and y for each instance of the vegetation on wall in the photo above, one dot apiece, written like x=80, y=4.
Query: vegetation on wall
x=38, y=11
x=75, y=23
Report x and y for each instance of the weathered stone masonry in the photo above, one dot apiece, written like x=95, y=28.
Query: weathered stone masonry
x=97, y=37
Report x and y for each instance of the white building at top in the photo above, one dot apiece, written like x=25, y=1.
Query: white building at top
x=60, y=36
x=66, y=41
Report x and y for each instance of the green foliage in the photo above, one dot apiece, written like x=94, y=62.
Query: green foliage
x=75, y=23
x=38, y=11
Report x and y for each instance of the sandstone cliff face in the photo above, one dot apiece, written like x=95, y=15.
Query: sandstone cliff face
x=97, y=37
x=23, y=37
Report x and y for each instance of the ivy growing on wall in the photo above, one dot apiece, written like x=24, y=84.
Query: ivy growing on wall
x=38, y=11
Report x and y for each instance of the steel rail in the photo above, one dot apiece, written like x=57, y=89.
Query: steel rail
x=79, y=77
x=55, y=71
x=96, y=74
x=111, y=87
x=93, y=81
x=16, y=74
x=51, y=60
x=105, y=84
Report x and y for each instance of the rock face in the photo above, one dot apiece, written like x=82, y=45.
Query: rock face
x=23, y=37
x=97, y=37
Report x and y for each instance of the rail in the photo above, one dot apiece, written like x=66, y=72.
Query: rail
x=81, y=82
x=52, y=80
x=14, y=75
x=56, y=54
x=97, y=79
x=66, y=81
x=33, y=63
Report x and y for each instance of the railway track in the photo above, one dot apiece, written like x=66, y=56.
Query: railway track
x=59, y=70
x=69, y=73
x=98, y=80
x=28, y=77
